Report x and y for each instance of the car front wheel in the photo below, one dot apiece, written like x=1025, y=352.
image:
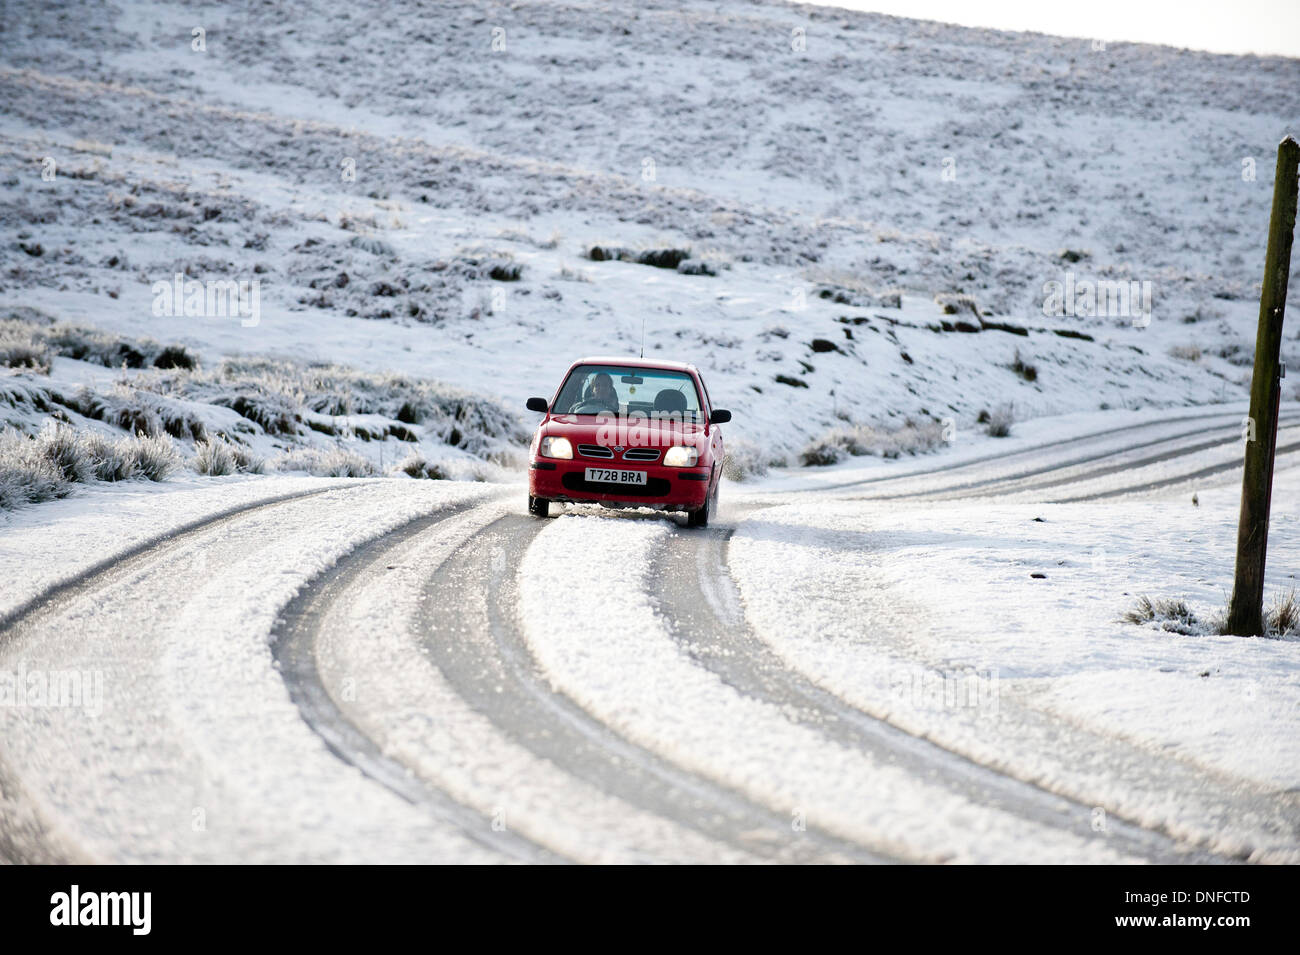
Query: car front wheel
x=700, y=518
x=539, y=506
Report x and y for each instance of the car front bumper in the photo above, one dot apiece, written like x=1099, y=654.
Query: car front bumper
x=564, y=480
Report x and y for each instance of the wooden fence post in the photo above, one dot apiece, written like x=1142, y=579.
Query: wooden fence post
x=1246, y=610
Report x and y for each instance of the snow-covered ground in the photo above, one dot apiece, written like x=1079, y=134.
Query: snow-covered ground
x=369, y=192
x=955, y=619
x=987, y=632
x=914, y=658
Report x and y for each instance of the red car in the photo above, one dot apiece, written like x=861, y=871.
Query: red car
x=627, y=432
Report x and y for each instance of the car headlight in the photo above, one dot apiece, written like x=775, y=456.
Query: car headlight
x=553, y=447
x=681, y=457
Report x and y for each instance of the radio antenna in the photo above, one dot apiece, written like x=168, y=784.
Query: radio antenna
x=642, y=336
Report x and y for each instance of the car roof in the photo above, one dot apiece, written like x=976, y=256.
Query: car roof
x=636, y=363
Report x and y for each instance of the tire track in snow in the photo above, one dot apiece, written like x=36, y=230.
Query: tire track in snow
x=294, y=649
x=720, y=640
x=1030, y=452
x=1234, y=819
x=761, y=671
x=1050, y=473
x=1172, y=481
x=493, y=669
x=21, y=617
x=370, y=656
x=242, y=540
x=25, y=836
x=1061, y=475
x=688, y=714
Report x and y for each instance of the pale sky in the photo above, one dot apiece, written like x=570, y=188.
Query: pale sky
x=1238, y=26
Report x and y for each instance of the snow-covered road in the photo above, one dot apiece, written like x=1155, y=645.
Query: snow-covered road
x=894, y=667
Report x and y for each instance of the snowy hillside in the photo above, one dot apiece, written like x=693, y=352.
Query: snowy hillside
x=874, y=207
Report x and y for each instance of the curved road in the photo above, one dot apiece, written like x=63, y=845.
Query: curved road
x=394, y=694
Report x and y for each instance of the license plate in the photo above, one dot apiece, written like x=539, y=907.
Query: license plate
x=615, y=476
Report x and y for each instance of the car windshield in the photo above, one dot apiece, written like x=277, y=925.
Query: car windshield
x=645, y=392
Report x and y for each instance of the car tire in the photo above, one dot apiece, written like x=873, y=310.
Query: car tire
x=700, y=517
x=539, y=506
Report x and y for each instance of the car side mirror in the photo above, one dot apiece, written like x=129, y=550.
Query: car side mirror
x=719, y=416
x=537, y=404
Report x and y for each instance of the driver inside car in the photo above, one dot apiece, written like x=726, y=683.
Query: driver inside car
x=603, y=393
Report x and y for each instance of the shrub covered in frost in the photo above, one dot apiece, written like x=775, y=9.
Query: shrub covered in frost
x=27, y=475
x=998, y=422
x=331, y=462
x=156, y=458
x=94, y=345
x=21, y=347
x=140, y=410
x=112, y=458
x=860, y=440
x=47, y=466
x=414, y=465
x=271, y=392
x=217, y=456
x=297, y=401
x=1171, y=615
x=68, y=451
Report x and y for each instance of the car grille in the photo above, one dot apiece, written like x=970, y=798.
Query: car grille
x=641, y=454
x=594, y=451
